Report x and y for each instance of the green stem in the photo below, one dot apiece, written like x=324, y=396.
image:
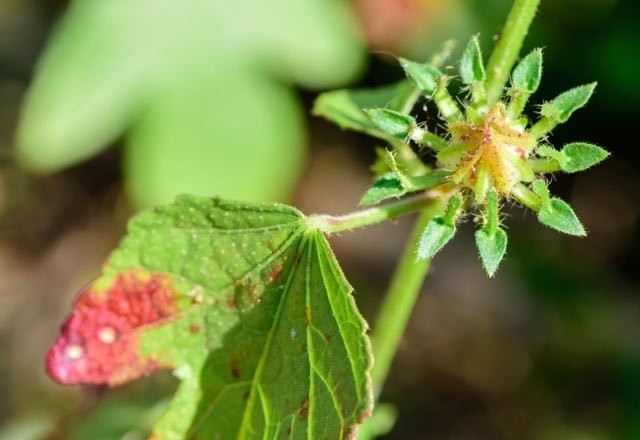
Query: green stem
x=492, y=214
x=517, y=104
x=429, y=140
x=544, y=165
x=542, y=127
x=445, y=103
x=408, y=157
x=392, y=319
x=332, y=224
x=527, y=197
x=508, y=47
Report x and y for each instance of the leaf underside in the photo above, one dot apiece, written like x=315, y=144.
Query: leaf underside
x=263, y=331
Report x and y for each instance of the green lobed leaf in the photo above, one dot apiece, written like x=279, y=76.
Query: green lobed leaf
x=260, y=325
x=424, y=75
x=436, y=235
x=557, y=214
x=384, y=188
x=345, y=107
x=492, y=246
x=391, y=122
x=562, y=106
x=527, y=74
x=471, y=64
x=182, y=84
x=582, y=155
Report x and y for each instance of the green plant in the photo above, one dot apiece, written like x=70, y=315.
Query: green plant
x=246, y=302
x=181, y=82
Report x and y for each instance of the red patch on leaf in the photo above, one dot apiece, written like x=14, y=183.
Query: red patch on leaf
x=99, y=343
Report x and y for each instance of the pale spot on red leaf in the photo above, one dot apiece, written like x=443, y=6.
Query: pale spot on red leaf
x=99, y=343
x=107, y=335
x=74, y=352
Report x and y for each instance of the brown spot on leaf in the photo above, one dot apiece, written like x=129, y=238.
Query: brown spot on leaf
x=236, y=372
x=231, y=303
x=194, y=329
x=303, y=411
x=275, y=273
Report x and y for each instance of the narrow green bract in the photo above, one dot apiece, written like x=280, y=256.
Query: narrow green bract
x=268, y=342
x=471, y=64
x=528, y=73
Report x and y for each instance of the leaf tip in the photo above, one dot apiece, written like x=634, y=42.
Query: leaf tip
x=435, y=236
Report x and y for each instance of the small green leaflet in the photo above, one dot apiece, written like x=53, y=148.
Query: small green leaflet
x=424, y=75
x=437, y=234
x=345, y=107
x=440, y=230
x=384, y=188
x=557, y=214
x=471, y=64
x=492, y=246
x=528, y=73
x=391, y=122
x=491, y=240
x=562, y=106
x=582, y=155
x=389, y=185
x=265, y=335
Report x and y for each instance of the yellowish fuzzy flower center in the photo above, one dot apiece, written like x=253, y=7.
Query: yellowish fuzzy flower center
x=488, y=153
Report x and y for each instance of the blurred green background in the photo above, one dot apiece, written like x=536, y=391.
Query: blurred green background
x=107, y=107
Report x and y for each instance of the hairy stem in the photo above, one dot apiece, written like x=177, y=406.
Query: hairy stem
x=331, y=224
x=399, y=301
x=508, y=47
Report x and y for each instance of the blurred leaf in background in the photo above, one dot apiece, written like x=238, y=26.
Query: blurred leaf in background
x=201, y=88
